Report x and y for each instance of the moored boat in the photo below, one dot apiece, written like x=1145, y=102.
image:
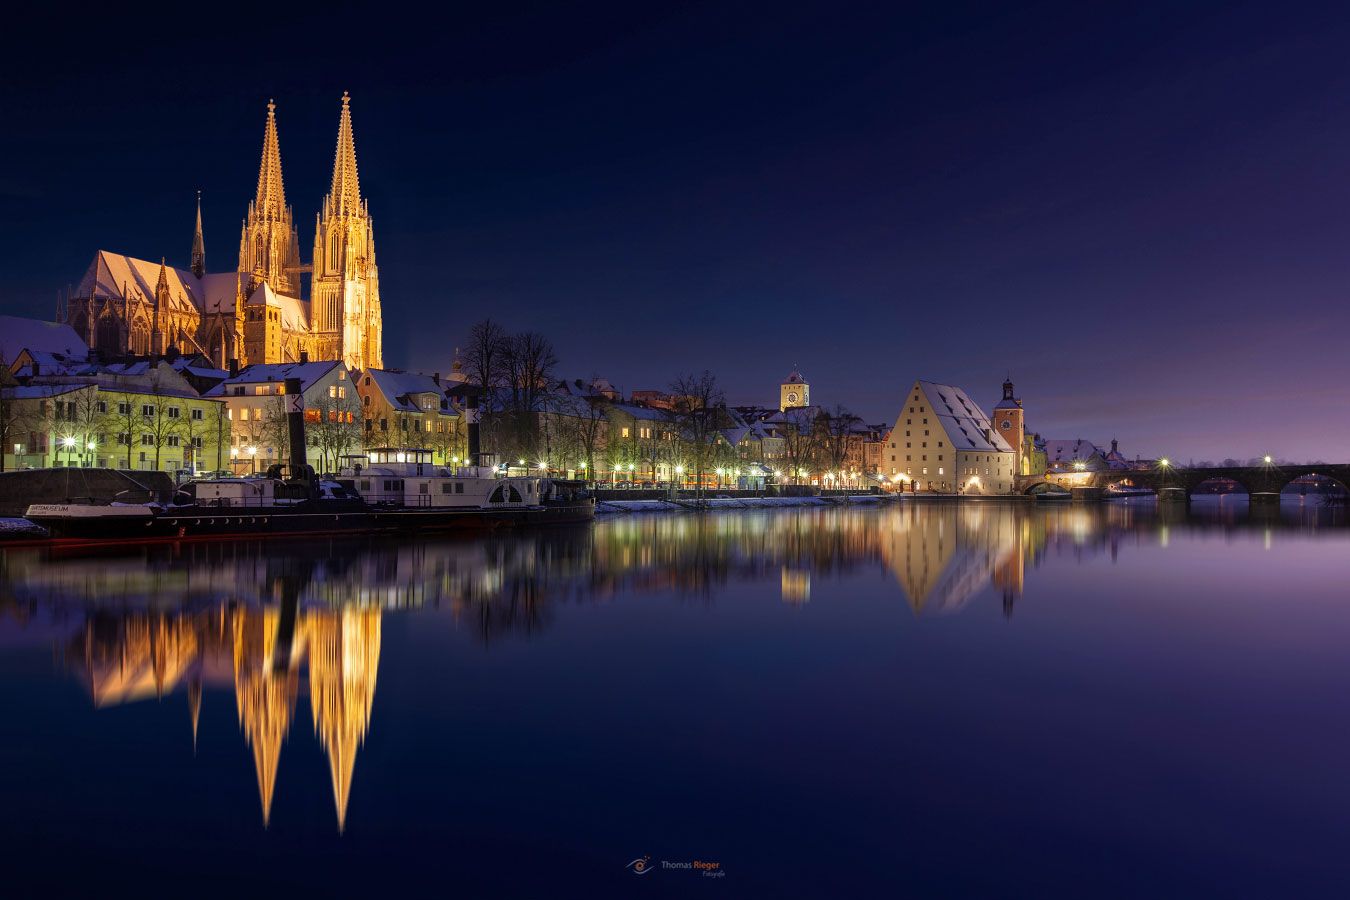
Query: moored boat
x=389, y=491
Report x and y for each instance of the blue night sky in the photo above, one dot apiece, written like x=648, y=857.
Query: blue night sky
x=1140, y=212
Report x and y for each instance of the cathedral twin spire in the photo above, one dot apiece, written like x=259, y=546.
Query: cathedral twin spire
x=271, y=200
x=345, y=193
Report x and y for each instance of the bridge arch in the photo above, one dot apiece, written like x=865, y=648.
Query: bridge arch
x=1321, y=476
x=1225, y=479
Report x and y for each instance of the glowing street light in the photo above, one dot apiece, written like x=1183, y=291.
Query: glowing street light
x=1164, y=462
x=69, y=441
x=1266, y=459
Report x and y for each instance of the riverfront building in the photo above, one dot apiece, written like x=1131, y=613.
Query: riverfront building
x=942, y=441
x=255, y=413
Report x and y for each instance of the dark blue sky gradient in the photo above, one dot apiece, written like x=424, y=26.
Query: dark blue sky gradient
x=1140, y=212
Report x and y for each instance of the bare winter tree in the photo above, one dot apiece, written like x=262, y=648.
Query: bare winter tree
x=698, y=407
x=17, y=418
x=334, y=428
x=836, y=431
x=801, y=443
x=201, y=429
x=528, y=361
x=483, y=358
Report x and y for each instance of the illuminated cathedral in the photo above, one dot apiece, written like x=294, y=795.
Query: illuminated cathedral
x=255, y=313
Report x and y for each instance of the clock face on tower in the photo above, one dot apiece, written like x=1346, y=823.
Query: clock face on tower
x=1005, y=425
x=792, y=398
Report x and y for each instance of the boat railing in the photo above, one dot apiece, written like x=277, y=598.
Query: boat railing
x=236, y=502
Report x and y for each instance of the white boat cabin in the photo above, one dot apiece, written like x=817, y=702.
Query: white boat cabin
x=232, y=491
x=400, y=477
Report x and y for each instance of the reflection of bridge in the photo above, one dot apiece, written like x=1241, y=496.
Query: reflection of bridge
x=1172, y=482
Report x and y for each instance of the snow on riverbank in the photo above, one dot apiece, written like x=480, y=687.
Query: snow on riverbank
x=13, y=528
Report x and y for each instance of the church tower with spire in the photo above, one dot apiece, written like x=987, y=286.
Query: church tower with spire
x=269, y=246
x=345, y=286
x=198, y=244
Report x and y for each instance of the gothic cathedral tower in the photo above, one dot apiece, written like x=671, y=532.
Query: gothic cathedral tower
x=269, y=247
x=345, y=290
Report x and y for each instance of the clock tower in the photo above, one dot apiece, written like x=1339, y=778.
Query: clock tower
x=1008, y=421
x=794, y=392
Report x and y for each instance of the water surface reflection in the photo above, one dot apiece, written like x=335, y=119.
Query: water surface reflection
x=287, y=625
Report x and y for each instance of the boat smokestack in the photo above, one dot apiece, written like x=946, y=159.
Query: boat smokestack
x=295, y=423
x=471, y=419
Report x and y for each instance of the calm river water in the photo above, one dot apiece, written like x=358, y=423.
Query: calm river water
x=926, y=700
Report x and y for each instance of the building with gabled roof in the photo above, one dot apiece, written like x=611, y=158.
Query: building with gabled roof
x=1077, y=454
x=410, y=410
x=943, y=441
x=255, y=411
x=55, y=340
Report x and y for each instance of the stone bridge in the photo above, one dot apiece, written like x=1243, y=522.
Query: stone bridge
x=1172, y=482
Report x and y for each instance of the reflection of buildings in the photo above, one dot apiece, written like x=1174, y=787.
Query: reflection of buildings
x=796, y=585
x=143, y=655
x=944, y=554
x=284, y=624
x=344, y=658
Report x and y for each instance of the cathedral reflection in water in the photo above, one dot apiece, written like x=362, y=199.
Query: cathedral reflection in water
x=280, y=620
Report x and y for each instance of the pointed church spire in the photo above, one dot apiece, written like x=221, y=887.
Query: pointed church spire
x=271, y=200
x=198, y=243
x=162, y=286
x=345, y=194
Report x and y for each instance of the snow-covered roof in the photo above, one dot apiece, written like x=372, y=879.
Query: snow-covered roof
x=640, y=412
x=19, y=334
x=397, y=387
x=735, y=435
x=294, y=312
x=1066, y=451
x=112, y=274
x=40, y=391
x=966, y=425
x=308, y=373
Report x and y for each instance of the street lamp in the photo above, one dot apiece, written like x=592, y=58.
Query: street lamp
x=1266, y=459
x=1164, y=462
x=252, y=460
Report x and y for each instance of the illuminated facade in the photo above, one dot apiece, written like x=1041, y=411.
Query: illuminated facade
x=793, y=392
x=942, y=441
x=255, y=313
